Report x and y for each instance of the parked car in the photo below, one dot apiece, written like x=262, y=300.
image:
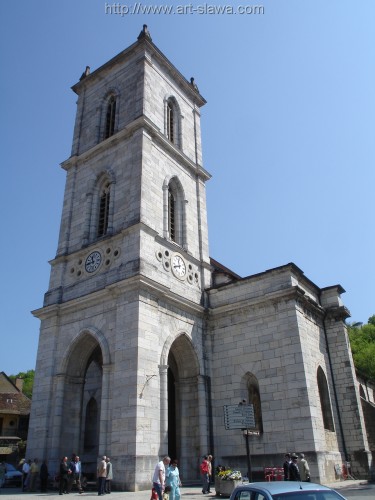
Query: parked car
x=13, y=477
x=284, y=490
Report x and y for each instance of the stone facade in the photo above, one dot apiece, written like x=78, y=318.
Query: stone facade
x=143, y=337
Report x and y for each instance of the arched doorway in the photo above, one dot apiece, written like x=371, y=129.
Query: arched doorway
x=80, y=430
x=183, y=407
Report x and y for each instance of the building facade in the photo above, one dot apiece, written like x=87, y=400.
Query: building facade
x=143, y=337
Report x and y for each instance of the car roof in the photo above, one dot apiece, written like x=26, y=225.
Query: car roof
x=274, y=487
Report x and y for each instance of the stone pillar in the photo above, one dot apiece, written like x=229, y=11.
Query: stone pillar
x=105, y=416
x=163, y=375
x=351, y=424
x=58, y=407
x=202, y=415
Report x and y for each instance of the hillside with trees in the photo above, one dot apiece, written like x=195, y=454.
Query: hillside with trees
x=28, y=381
x=362, y=342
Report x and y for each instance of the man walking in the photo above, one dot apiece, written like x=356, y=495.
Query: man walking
x=158, y=479
x=102, y=474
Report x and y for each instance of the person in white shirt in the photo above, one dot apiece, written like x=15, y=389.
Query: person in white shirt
x=25, y=474
x=158, y=479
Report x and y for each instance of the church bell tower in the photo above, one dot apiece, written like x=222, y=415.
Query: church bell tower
x=120, y=368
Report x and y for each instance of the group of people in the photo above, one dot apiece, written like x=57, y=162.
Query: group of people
x=31, y=471
x=105, y=475
x=166, y=480
x=294, y=471
x=70, y=474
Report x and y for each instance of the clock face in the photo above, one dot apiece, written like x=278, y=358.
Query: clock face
x=178, y=266
x=93, y=261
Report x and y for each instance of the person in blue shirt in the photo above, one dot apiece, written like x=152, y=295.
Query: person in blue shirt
x=173, y=481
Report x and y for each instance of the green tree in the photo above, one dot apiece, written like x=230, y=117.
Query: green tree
x=28, y=381
x=362, y=342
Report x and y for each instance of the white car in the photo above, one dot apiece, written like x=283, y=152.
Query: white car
x=284, y=490
x=13, y=477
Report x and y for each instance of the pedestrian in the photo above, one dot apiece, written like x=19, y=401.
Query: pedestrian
x=102, y=473
x=304, y=468
x=75, y=474
x=43, y=475
x=34, y=474
x=286, y=466
x=209, y=460
x=109, y=476
x=204, y=468
x=26, y=475
x=71, y=466
x=173, y=481
x=294, y=474
x=64, y=473
x=158, y=479
x=3, y=471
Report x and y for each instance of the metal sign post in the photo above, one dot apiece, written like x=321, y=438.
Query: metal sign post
x=241, y=416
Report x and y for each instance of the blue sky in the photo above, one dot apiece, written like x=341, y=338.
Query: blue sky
x=288, y=135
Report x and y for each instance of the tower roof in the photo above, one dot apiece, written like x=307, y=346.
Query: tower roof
x=143, y=41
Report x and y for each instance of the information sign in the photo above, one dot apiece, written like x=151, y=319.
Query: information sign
x=239, y=416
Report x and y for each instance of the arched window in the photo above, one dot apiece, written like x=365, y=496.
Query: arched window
x=171, y=215
x=170, y=122
x=174, y=204
x=104, y=199
x=253, y=397
x=325, y=401
x=173, y=121
x=110, y=118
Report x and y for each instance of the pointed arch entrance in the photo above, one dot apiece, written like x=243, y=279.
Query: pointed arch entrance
x=184, y=419
x=84, y=384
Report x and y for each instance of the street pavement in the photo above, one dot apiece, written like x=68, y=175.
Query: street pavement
x=188, y=493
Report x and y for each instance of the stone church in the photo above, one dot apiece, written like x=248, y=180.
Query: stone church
x=144, y=338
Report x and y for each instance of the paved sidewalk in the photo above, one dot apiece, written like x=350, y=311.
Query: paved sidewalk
x=189, y=493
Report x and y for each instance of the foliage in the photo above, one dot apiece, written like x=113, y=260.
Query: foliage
x=227, y=474
x=28, y=381
x=362, y=342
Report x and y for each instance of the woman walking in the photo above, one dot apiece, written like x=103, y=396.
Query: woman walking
x=173, y=481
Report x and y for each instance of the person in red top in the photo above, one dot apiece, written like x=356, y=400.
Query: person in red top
x=204, y=470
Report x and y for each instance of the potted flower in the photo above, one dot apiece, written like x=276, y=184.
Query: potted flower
x=226, y=479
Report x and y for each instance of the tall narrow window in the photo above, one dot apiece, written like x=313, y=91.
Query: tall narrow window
x=254, y=399
x=325, y=401
x=110, y=117
x=104, y=210
x=171, y=215
x=170, y=122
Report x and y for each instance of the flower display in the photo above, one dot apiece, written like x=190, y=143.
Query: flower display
x=227, y=474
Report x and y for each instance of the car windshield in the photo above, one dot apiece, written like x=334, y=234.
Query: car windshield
x=10, y=467
x=308, y=495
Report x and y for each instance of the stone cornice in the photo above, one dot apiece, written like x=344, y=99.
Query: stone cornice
x=142, y=122
x=292, y=293
x=339, y=313
x=136, y=283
